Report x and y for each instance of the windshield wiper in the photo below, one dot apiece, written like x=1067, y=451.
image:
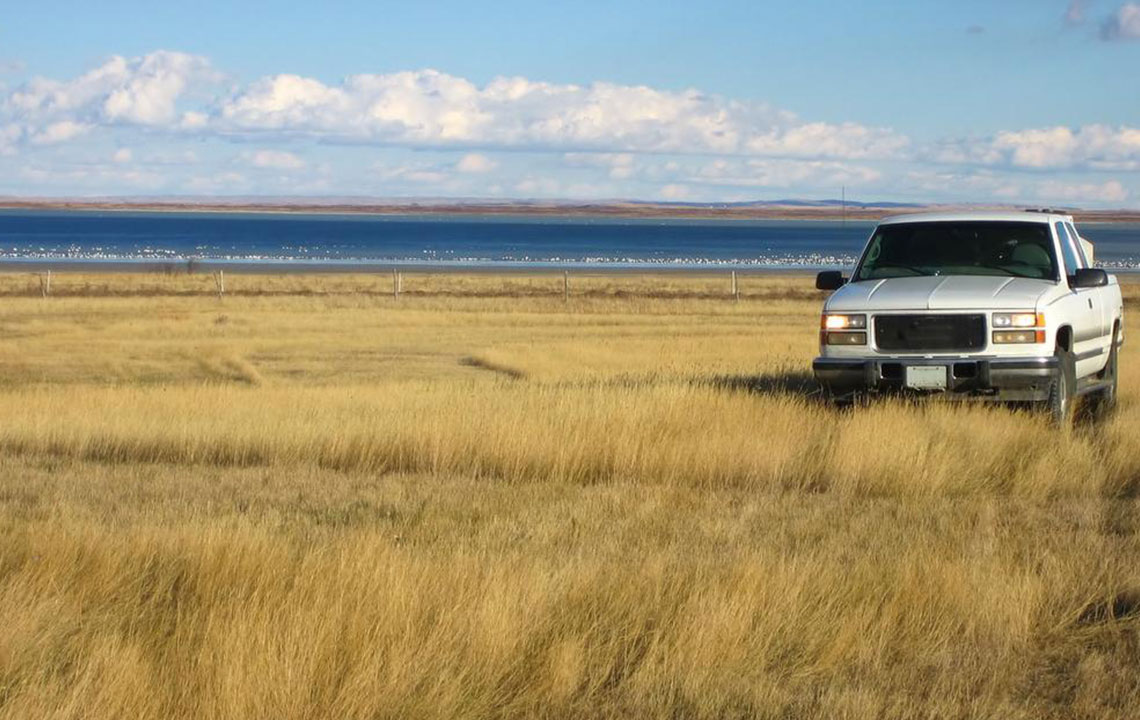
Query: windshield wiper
x=918, y=272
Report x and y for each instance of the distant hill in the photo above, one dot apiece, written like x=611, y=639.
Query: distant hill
x=791, y=208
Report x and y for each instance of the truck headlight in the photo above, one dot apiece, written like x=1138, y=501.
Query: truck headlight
x=1004, y=321
x=1007, y=337
x=843, y=322
x=845, y=338
x=1018, y=328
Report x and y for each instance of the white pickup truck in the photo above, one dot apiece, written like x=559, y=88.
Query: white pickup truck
x=1004, y=305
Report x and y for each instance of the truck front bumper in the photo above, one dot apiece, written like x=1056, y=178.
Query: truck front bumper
x=1013, y=379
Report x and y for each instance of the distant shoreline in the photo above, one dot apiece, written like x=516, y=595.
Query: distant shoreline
x=617, y=210
x=308, y=267
x=305, y=267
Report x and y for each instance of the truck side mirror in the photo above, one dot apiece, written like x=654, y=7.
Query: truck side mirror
x=1088, y=278
x=830, y=280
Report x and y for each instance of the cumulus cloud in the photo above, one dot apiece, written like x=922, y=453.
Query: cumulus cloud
x=605, y=139
x=1095, y=147
x=1124, y=24
x=431, y=109
x=147, y=88
x=276, y=160
x=428, y=108
x=141, y=91
x=57, y=132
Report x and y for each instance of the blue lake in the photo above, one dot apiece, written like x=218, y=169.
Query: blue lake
x=459, y=240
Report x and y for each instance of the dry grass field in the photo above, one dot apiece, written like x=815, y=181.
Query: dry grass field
x=309, y=499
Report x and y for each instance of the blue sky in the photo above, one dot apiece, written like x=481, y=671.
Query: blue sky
x=1017, y=101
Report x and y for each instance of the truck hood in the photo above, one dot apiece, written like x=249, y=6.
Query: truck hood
x=950, y=292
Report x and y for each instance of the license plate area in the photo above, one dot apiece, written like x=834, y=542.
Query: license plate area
x=926, y=377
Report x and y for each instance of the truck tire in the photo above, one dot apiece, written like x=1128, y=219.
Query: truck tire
x=1104, y=401
x=1062, y=390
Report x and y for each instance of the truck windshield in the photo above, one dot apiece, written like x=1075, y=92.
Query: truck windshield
x=1014, y=249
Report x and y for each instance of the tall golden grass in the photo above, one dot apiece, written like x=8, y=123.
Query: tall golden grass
x=313, y=500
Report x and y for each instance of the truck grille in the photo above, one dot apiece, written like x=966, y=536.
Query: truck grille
x=930, y=333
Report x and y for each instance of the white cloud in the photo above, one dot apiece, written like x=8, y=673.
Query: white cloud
x=675, y=191
x=412, y=172
x=971, y=151
x=276, y=160
x=149, y=87
x=475, y=163
x=140, y=91
x=93, y=178
x=974, y=186
x=619, y=166
x=541, y=187
x=1098, y=147
x=987, y=186
x=1108, y=192
x=217, y=183
x=193, y=120
x=592, y=140
x=823, y=140
x=1124, y=24
x=431, y=109
x=57, y=132
x=783, y=173
x=9, y=135
x=428, y=108
x=171, y=158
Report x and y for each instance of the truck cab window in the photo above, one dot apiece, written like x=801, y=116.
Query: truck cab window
x=1082, y=250
x=1068, y=250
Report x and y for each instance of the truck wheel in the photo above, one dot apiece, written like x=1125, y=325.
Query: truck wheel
x=1103, y=401
x=1061, y=391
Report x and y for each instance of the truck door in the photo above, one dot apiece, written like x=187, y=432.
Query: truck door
x=1084, y=308
x=1085, y=250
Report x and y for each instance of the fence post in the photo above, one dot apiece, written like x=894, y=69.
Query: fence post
x=735, y=287
x=45, y=284
x=399, y=283
x=220, y=280
x=395, y=284
x=565, y=286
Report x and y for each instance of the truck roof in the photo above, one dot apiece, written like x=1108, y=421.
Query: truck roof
x=981, y=216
